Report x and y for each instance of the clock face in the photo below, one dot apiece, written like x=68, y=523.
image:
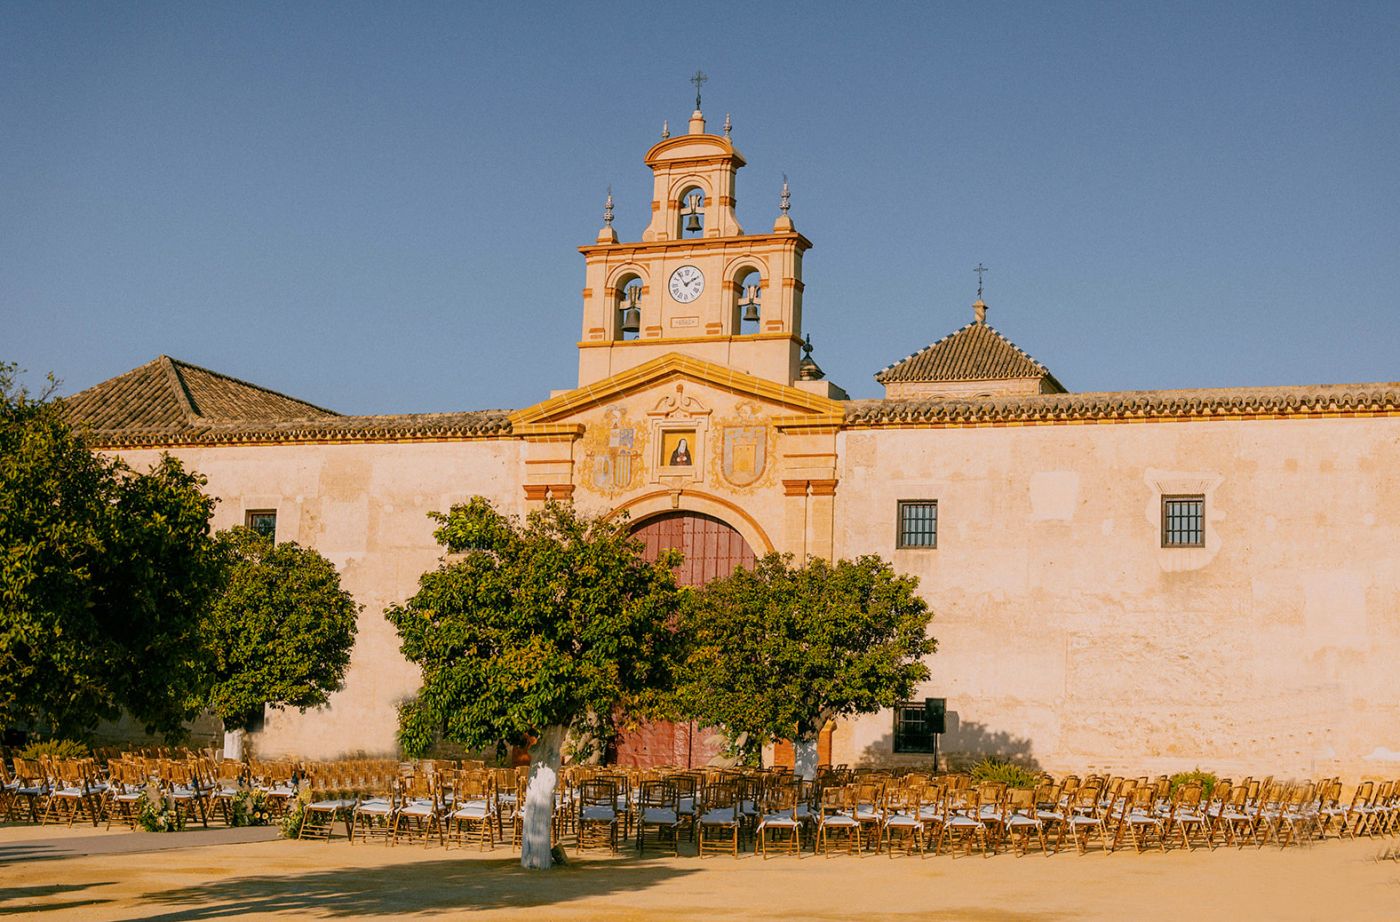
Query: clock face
x=686, y=284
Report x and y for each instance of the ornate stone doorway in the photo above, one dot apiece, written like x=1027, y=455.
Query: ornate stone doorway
x=712, y=549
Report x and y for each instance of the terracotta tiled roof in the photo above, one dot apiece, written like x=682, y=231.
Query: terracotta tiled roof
x=1213, y=403
x=976, y=352
x=169, y=402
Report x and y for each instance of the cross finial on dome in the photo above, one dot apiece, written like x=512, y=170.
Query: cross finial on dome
x=979, y=270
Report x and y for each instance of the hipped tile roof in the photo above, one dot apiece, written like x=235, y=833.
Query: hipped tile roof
x=167, y=401
x=976, y=352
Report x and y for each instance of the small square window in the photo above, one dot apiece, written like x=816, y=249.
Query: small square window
x=918, y=523
x=1183, y=521
x=915, y=723
x=262, y=521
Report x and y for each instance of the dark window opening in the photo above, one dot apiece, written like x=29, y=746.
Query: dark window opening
x=263, y=521
x=1183, y=521
x=917, y=723
x=918, y=523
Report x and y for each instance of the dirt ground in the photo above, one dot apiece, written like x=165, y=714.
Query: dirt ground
x=118, y=876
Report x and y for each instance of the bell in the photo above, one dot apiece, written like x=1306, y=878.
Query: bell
x=750, y=303
x=692, y=223
x=631, y=320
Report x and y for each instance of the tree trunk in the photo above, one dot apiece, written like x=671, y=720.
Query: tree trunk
x=233, y=744
x=804, y=757
x=546, y=755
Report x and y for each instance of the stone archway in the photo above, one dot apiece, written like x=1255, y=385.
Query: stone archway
x=712, y=549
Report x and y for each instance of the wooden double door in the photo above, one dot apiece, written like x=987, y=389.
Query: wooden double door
x=712, y=549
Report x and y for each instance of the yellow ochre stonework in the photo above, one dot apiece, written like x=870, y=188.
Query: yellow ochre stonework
x=1069, y=635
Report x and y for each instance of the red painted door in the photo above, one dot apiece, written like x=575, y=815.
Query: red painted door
x=711, y=549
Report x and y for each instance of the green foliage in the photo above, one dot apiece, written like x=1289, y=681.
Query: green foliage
x=280, y=632
x=1206, y=779
x=104, y=575
x=56, y=749
x=1012, y=775
x=777, y=651
x=554, y=622
x=155, y=814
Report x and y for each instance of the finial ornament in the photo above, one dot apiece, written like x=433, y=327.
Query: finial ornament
x=728, y=125
x=665, y=128
x=699, y=80
x=979, y=270
x=608, y=209
x=808, y=369
x=785, y=200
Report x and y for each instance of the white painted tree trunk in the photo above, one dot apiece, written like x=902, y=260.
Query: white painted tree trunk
x=804, y=758
x=546, y=755
x=233, y=744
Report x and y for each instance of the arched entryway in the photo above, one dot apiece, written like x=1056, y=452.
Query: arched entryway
x=712, y=549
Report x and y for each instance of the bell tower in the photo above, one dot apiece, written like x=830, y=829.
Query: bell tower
x=695, y=283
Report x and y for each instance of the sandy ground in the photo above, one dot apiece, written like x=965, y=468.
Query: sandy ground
x=119, y=878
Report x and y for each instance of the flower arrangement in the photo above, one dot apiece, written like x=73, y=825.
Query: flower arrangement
x=250, y=808
x=156, y=814
x=290, y=823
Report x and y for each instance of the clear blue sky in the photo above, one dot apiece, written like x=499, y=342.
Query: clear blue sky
x=375, y=207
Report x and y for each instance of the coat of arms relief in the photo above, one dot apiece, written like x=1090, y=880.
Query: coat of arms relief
x=614, y=452
x=744, y=449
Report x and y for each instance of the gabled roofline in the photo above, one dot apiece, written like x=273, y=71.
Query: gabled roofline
x=674, y=364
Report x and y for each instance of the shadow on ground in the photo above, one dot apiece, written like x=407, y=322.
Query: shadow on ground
x=10, y=894
x=430, y=886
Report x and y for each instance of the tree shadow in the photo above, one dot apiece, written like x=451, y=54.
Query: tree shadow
x=447, y=886
x=968, y=742
x=9, y=894
x=17, y=852
x=963, y=744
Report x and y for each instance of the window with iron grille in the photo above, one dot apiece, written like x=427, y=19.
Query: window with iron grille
x=918, y=523
x=1183, y=521
x=912, y=731
x=262, y=521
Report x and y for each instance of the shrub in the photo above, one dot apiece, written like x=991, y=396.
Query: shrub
x=993, y=768
x=1207, y=780
x=56, y=749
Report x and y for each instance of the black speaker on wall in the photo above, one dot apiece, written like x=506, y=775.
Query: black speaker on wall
x=936, y=714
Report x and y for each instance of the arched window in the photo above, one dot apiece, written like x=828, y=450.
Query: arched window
x=628, y=296
x=692, y=212
x=747, y=310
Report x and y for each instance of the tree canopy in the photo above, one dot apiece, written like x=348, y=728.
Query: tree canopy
x=528, y=631
x=105, y=573
x=777, y=651
x=279, y=633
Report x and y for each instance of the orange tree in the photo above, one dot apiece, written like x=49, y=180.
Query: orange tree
x=528, y=633
x=105, y=573
x=777, y=651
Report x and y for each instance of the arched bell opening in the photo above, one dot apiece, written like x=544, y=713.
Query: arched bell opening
x=748, y=290
x=691, y=213
x=627, y=301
